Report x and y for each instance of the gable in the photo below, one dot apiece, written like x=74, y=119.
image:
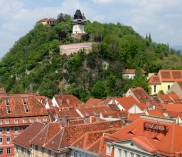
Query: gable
x=134, y=109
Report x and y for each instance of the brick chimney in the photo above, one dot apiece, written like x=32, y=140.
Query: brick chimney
x=97, y=117
x=87, y=119
x=65, y=119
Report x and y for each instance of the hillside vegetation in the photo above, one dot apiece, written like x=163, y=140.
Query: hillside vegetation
x=34, y=63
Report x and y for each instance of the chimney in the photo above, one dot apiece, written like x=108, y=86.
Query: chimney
x=163, y=110
x=65, y=119
x=123, y=120
x=97, y=117
x=87, y=119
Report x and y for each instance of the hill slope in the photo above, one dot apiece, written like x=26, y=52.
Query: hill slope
x=34, y=63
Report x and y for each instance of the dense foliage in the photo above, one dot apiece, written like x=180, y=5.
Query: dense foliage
x=34, y=63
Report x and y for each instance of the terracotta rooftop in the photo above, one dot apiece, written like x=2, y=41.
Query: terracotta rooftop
x=27, y=135
x=47, y=20
x=132, y=71
x=53, y=136
x=92, y=102
x=179, y=84
x=133, y=117
x=140, y=94
x=170, y=75
x=67, y=101
x=154, y=79
x=156, y=112
x=165, y=98
x=21, y=106
x=166, y=140
x=174, y=96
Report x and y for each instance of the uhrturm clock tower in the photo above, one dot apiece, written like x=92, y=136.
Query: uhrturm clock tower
x=78, y=22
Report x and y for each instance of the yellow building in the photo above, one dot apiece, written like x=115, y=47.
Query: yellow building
x=164, y=80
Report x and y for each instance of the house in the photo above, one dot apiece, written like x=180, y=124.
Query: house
x=65, y=101
x=130, y=73
x=177, y=88
x=164, y=80
x=147, y=136
x=49, y=21
x=17, y=112
x=92, y=102
x=139, y=94
x=126, y=103
x=54, y=138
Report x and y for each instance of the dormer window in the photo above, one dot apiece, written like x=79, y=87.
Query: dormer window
x=26, y=108
x=45, y=119
x=8, y=109
x=38, y=119
x=24, y=101
x=24, y=121
x=1, y=122
x=31, y=120
x=7, y=101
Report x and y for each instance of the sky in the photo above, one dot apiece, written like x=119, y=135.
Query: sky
x=161, y=18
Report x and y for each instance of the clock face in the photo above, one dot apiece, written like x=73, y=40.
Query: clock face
x=75, y=27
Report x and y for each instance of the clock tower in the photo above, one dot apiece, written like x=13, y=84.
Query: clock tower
x=78, y=22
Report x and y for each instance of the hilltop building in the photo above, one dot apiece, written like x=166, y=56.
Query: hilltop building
x=78, y=22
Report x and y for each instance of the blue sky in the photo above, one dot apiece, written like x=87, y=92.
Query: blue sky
x=161, y=18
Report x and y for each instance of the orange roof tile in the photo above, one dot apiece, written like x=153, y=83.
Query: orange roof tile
x=174, y=96
x=170, y=75
x=179, y=84
x=140, y=94
x=156, y=112
x=133, y=117
x=92, y=102
x=167, y=143
x=67, y=100
x=132, y=71
x=165, y=98
x=154, y=80
x=27, y=135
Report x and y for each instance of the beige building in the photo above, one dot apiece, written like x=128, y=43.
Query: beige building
x=164, y=80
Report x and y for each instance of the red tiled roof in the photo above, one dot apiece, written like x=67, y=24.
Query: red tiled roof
x=165, y=98
x=170, y=75
x=127, y=102
x=173, y=107
x=140, y=94
x=156, y=112
x=166, y=144
x=47, y=20
x=174, y=96
x=154, y=80
x=133, y=117
x=132, y=71
x=67, y=100
x=92, y=111
x=116, y=114
x=92, y=102
x=27, y=135
x=20, y=106
x=179, y=84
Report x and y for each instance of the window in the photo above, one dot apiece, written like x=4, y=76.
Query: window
x=1, y=130
x=8, y=129
x=22, y=150
x=7, y=121
x=16, y=129
x=49, y=152
x=108, y=149
x=38, y=119
x=125, y=153
x=55, y=155
x=75, y=154
x=168, y=87
x=138, y=155
x=155, y=88
x=16, y=147
x=8, y=150
x=36, y=147
x=24, y=121
x=8, y=139
x=31, y=120
x=1, y=150
x=16, y=121
x=42, y=150
x=119, y=152
x=132, y=154
x=24, y=127
x=45, y=119
x=1, y=122
x=1, y=140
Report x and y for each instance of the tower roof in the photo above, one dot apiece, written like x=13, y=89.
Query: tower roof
x=78, y=15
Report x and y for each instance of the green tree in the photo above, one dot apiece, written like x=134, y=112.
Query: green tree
x=99, y=90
